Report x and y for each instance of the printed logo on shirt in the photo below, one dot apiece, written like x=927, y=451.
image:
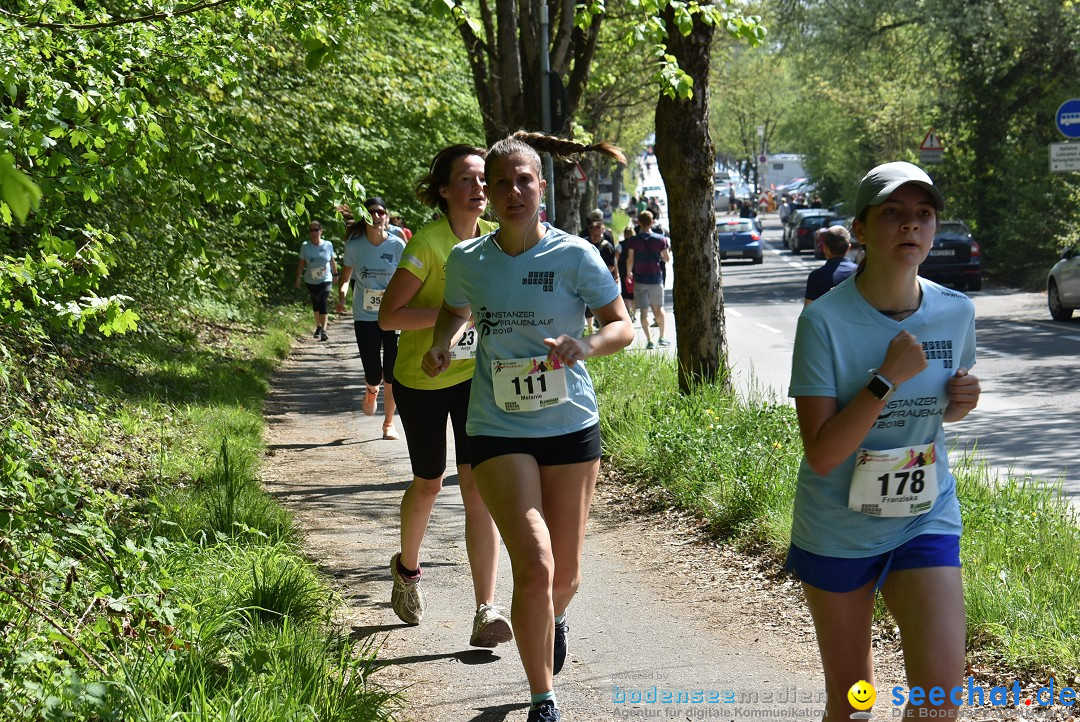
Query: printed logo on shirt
x=939, y=351
x=540, y=278
x=494, y=323
x=413, y=260
x=897, y=411
x=388, y=257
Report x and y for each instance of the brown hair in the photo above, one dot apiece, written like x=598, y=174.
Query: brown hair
x=438, y=175
x=530, y=145
x=836, y=239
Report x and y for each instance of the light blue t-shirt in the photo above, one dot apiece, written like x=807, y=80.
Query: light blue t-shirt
x=840, y=338
x=372, y=268
x=517, y=301
x=317, y=261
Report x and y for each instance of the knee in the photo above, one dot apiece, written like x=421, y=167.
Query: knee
x=534, y=577
x=426, y=488
x=565, y=584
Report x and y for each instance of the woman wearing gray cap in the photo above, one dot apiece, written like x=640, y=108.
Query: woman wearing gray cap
x=879, y=363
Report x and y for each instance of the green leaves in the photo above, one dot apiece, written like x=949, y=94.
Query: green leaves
x=19, y=193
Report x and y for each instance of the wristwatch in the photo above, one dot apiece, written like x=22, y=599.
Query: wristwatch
x=880, y=387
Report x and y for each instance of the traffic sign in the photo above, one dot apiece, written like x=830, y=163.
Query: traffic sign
x=931, y=142
x=931, y=150
x=1064, y=157
x=1068, y=118
x=762, y=159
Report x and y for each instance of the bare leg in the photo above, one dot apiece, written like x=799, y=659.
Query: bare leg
x=481, y=537
x=511, y=487
x=567, y=490
x=928, y=605
x=842, y=622
x=416, y=507
x=645, y=324
x=661, y=321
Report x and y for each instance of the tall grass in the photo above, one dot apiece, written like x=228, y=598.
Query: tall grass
x=147, y=574
x=736, y=464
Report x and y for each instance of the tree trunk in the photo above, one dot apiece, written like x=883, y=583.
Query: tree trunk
x=685, y=155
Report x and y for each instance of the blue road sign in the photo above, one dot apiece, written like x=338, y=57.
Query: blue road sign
x=1068, y=118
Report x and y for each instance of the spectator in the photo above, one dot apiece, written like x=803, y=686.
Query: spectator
x=836, y=242
x=648, y=251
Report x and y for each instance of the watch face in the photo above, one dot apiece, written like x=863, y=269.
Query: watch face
x=878, y=388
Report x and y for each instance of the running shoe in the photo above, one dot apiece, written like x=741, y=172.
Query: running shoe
x=560, y=645
x=407, y=598
x=650, y=346
x=370, y=399
x=322, y=334
x=546, y=712
x=664, y=342
x=389, y=432
x=490, y=627
x=318, y=329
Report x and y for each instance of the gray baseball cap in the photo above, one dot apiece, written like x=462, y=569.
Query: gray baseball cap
x=879, y=184
x=596, y=215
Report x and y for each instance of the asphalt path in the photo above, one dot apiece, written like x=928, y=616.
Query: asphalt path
x=1028, y=365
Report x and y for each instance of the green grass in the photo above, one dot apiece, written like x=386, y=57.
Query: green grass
x=148, y=576
x=736, y=465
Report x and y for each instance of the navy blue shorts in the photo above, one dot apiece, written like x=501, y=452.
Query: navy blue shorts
x=838, y=574
x=572, y=448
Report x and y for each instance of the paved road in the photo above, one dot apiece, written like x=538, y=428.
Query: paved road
x=1028, y=365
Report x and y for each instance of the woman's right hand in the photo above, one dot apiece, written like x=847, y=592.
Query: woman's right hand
x=435, y=361
x=904, y=359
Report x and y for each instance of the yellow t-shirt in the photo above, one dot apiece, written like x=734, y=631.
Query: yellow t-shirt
x=425, y=257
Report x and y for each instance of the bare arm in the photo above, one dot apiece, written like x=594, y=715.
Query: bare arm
x=395, y=311
x=299, y=271
x=448, y=326
x=830, y=435
x=963, y=390
x=343, y=287
x=616, y=334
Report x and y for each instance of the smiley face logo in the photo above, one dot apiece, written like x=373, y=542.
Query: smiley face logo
x=862, y=694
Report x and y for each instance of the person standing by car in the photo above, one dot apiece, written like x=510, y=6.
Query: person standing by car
x=318, y=270
x=835, y=242
x=875, y=502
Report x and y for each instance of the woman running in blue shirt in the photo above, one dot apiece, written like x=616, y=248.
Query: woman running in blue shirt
x=879, y=363
x=533, y=425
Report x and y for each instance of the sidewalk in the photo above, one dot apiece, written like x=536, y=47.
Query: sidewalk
x=655, y=608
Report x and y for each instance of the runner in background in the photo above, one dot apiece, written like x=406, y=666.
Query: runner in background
x=374, y=253
x=533, y=426
x=455, y=185
x=317, y=269
x=875, y=502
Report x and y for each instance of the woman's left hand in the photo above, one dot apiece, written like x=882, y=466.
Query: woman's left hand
x=568, y=349
x=963, y=391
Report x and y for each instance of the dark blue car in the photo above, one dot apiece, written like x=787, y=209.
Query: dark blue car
x=739, y=238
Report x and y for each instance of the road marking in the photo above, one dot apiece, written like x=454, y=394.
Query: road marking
x=768, y=328
x=989, y=352
x=732, y=312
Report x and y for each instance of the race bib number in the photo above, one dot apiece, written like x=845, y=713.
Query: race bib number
x=372, y=298
x=528, y=384
x=894, y=482
x=318, y=273
x=466, y=345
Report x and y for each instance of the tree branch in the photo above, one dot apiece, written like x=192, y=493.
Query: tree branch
x=204, y=5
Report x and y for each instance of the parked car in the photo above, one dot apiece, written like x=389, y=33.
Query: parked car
x=955, y=258
x=1063, y=285
x=801, y=225
x=739, y=238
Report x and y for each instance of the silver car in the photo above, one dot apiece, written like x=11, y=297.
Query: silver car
x=1063, y=285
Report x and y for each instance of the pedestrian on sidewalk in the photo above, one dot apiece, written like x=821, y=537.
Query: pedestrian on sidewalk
x=374, y=252
x=875, y=504
x=835, y=243
x=622, y=253
x=647, y=254
x=533, y=424
x=455, y=185
x=318, y=270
